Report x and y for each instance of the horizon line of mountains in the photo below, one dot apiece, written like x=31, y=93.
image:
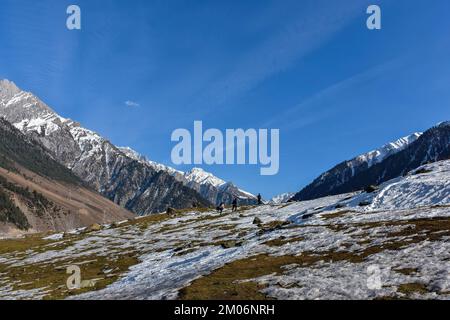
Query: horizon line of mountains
x=143, y=187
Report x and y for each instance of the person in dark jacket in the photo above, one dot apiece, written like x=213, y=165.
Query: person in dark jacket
x=235, y=205
x=221, y=207
x=259, y=199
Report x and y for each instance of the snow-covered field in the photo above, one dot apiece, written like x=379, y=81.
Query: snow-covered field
x=391, y=243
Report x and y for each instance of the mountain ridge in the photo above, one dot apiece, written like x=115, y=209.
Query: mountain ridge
x=372, y=168
x=93, y=158
x=208, y=185
x=98, y=162
x=37, y=194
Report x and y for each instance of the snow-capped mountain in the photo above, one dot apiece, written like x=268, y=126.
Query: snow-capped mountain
x=133, y=154
x=208, y=185
x=38, y=194
x=378, y=155
x=200, y=176
x=215, y=189
x=282, y=198
x=97, y=161
x=129, y=182
x=390, y=161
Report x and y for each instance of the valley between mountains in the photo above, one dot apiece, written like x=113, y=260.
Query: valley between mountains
x=373, y=227
x=118, y=173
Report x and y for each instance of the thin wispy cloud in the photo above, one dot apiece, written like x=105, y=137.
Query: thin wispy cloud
x=280, y=51
x=294, y=117
x=131, y=104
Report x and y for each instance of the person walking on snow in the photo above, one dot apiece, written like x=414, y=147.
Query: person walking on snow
x=259, y=199
x=235, y=206
x=221, y=207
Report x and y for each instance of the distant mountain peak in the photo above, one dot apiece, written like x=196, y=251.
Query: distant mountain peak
x=392, y=160
x=199, y=175
x=133, y=154
x=376, y=156
x=196, y=170
x=206, y=183
x=8, y=88
x=282, y=198
x=444, y=124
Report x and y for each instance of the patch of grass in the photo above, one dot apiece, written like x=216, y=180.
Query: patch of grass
x=272, y=226
x=440, y=206
x=335, y=215
x=226, y=283
x=52, y=277
x=431, y=228
x=282, y=241
x=227, y=227
x=411, y=288
x=231, y=282
x=186, y=251
x=196, y=209
x=420, y=230
x=144, y=222
x=407, y=271
x=19, y=248
x=171, y=228
x=364, y=242
x=210, y=217
x=23, y=244
x=422, y=171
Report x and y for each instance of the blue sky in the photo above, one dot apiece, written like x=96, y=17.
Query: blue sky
x=140, y=69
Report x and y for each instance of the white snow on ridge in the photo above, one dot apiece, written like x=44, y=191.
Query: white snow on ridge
x=336, y=177
x=195, y=175
x=282, y=198
x=133, y=154
x=7, y=90
x=248, y=194
x=201, y=177
x=443, y=124
x=378, y=155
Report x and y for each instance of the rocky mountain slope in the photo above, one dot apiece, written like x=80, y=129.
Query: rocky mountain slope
x=392, y=160
x=39, y=194
x=282, y=198
x=132, y=184
x=388, y=244
x=210, y=187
